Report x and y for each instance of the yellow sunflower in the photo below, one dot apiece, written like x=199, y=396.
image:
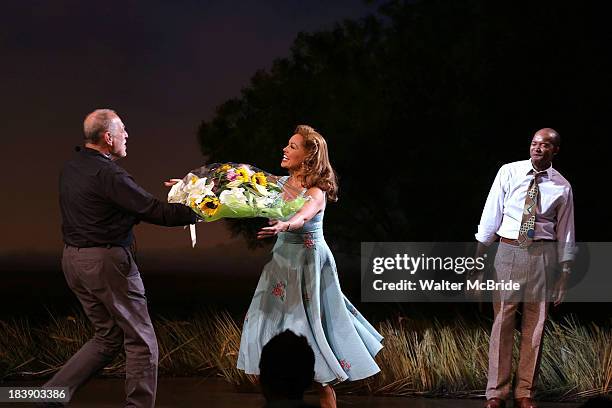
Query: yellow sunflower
x=209, y=206
x=225, y=167
x=243, y=174
x=259, y=178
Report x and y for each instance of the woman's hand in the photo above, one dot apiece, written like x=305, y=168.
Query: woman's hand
x=276, y=227
x=171, y=182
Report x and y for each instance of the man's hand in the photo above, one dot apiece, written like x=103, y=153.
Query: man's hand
x=171, y=182
x=559, y=290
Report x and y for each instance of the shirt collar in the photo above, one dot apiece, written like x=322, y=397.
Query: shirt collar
x=529, y=169
x=91, y=151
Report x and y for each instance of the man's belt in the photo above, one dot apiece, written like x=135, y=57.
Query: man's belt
x=516, y=243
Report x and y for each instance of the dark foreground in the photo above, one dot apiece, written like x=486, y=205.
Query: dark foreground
x=192, y=392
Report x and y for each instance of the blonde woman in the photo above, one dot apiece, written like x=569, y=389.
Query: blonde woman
x=299, y=288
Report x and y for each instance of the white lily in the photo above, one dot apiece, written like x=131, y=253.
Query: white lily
x=235, y=183
x=199, y=186
x=263, y=202
x=191, y=178
x=260, y=189
x=177, y=193
x=197, y=189
x=233, y=196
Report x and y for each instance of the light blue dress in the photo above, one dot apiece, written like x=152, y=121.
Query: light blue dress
x=299, y=290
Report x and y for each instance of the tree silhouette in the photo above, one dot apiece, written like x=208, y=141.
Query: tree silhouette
x=421, y=104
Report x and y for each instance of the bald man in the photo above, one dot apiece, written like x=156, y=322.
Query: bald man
x=530, y=211
x=100, y=204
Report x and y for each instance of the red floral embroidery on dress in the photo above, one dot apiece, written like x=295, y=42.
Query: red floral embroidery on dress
x=278, y=290
x=345, y=365
x=308, y=241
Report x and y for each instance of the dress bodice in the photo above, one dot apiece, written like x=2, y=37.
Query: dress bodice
x=314, y=225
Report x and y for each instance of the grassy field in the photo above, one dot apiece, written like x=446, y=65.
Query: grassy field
x=421, y=357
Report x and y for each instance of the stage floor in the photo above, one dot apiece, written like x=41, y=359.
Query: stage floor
x=212, y=393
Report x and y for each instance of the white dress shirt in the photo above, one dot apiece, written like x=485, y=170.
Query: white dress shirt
x=503, y=211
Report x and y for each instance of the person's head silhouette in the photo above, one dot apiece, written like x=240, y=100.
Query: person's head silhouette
x=286, y=367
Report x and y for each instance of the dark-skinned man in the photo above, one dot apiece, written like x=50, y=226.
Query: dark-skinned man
x=530, y=211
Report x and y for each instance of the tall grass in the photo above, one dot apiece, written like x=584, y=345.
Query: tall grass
x=420, y=357
x=17, y=347
x=432, y=358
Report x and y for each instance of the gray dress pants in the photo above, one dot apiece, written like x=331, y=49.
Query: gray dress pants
x=533, y=268
x=107, y=282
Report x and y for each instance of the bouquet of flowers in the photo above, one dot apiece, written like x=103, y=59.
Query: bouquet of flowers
x=232, y=190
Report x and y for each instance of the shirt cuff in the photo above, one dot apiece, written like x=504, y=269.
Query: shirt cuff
x=566, y=252
x=486, y=239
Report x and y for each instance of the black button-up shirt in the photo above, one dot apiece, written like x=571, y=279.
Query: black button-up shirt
x=101, y=202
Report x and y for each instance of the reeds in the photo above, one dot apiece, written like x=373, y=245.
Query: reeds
x=432, y=358
x=420, y=357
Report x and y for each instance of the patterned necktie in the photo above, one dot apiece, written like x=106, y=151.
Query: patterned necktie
x=527, y=231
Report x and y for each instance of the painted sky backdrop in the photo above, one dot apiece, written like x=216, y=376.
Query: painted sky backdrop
x=163, y=66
